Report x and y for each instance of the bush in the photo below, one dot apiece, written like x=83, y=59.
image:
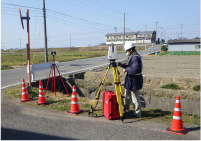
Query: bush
x=170, y=86
x=5, y=67
x=164, y=48
x=196, y=88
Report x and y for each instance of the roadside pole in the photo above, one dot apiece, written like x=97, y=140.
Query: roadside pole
x=28, y=40
x=28, y=47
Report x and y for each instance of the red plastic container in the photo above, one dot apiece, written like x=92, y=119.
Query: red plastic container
x=110, y=105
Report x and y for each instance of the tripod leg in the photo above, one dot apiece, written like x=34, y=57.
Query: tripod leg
x=62, y=81
x=118, y=91
x=95, y=103
x=54, y=80
x=48, y=80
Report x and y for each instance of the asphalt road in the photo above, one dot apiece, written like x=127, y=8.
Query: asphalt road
x=14, y=76
x=22, y=121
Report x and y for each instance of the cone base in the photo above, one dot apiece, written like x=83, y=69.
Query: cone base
x=22, y=101
x=42, y=104
x=74, y=113
x=177, y=132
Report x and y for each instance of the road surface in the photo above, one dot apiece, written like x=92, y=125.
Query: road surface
x=15, y=76
x=21, y=121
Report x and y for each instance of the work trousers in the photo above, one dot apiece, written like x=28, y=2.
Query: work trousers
x=135, y=98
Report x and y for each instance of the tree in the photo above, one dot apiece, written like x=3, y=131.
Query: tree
x=164, y=48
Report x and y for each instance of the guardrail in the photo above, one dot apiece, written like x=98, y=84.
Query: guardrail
x=39, y=67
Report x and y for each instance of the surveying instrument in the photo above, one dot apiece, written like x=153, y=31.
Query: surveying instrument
x=112, y=56
x=52, y=69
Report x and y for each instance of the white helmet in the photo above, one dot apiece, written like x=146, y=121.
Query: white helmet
x=128, y=45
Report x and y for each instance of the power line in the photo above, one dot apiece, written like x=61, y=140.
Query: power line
x=79, y=18
x=74, y=24
x=92, y=9
x=105, y=6
x=21, y=6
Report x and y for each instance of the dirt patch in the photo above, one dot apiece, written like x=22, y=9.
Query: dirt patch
x=157, y=71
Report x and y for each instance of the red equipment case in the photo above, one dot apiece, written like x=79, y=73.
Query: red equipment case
x=110, y=105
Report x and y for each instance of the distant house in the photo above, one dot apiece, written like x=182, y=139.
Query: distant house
x=135, y=37
x=184, y=45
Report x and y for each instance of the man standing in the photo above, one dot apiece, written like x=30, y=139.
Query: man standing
x=133, y=80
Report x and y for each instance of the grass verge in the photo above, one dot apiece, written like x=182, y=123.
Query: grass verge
x=62, y=102
x=179, y=53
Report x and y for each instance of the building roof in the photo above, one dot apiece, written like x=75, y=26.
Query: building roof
x=129, y=33
x=121, y=33
x=183, y=41
x=147, y=32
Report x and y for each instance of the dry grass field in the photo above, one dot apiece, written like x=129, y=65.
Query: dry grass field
x=18, y=58
x=172, y=66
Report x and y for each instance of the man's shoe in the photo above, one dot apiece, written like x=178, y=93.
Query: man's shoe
x=132, y=115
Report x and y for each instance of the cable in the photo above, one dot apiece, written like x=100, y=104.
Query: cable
x=94, y=11
x=79, y=18
x=59, y=13
x=105, y=6
x=21, y=6
x=35, y=25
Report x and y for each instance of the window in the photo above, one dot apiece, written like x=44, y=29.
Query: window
x=197, y=46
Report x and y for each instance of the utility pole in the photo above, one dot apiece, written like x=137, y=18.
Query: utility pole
x=70, y=39
x=115, y=29
x=124, y=34
x=181, y=31
x=45, y=31
x=156, y=31
x=161, y=35
x=145, y=38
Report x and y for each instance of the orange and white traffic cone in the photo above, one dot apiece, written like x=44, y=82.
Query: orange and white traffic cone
x=42, y=100
x=74, y=104
x=177, y=124
x=25, y=95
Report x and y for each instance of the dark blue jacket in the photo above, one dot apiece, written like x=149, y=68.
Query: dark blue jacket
x=133, y=79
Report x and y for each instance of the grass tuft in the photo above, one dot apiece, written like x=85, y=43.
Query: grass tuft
x=196, y=88
x=5, y=67
x=170, y=86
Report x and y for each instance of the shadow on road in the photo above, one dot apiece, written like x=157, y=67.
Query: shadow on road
x=194, y=128
x=11, y=134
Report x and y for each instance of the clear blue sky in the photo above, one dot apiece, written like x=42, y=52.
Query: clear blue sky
x=88, y=21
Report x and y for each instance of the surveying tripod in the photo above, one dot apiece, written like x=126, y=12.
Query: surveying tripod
x=52, y=69
x=117, y=89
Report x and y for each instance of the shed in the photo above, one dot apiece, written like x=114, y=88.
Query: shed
x=184, y=45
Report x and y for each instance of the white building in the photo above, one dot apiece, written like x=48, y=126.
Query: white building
x=184, y=45
x=135, y=37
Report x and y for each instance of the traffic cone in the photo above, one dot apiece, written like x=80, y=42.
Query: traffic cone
x=42, y=100
x=74, y=104
x=177, y=124
x=25, y=95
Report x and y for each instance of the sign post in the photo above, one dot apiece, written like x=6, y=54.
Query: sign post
x=28, y=40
